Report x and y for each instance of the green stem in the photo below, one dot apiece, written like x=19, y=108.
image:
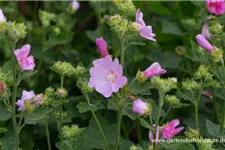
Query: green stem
x=122, y=51
x=150, y=119
x=14, y=93
x=61, y=109
x=47, y=134
x=21, y=118
x=138, y=130
x=167, y=113
x=196, y=114
x=223, y=119
x=98, y=123
x=62, y=81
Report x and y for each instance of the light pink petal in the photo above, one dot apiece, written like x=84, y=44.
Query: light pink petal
x=28, y=63
x=202, y=42
x=205, y=31
x=150, y=135
x=2, y=17
x=22, y=53
x=104, y=88
x=146, y=32
x=119, y=83
x=174, y=123
x=75, y=4
x=178, y=130
x=27, y=95
x=139, y=18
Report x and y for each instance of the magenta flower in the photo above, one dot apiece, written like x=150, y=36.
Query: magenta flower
x=170, y=130
x=26, y=95
x=216, y=7
x=2, y=17
x=202, y=42
x=205, y=31
x=145, y=31
x=140, y=107
x=106, y=76
x=154, y=70
x=75, y=4
x=2, y=89
x=26, y=62
x=102, y=46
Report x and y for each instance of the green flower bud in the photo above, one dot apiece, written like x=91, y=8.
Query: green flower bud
x=191, y=85
x=82, y=83
x=56, y=115
x=133, y=28
x=16, y=31
x=127, y=8
x=114, y=20
x=206, y=145
x=180, y=50
x=63, y=68
x=192, y=133
x=133, y=147
x=71, y=132
x=217, y=55
x=56, y=30
x=61, y=93
x=202, y=72
x=46, y=17
x=172, y=100
x=3, y=27
x=29, y=106
x=216, y=29
x=50, y=92
x=80, y=70
x=140, y=77
x=164, y=85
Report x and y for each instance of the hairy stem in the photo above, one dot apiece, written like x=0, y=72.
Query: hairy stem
x=61, y=109
x=47, y=134
x=167, y=113
x=196, y=115
x=223, y=119
x=14, y=93
x=98, y=123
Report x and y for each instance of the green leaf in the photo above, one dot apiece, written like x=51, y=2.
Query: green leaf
x=84, y=107
x=3, y=130
x=8, y=141
x=145, y=124
x=37, y=115
x=158, y=8
x=73, y=144
x=4, y=113
x=171, y=28
x=214, y=129
x=25, y=75
x=93, y=136
x=140, y=89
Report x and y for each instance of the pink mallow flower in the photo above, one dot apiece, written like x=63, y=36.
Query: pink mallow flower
x=140, y=107
x=102, y=46
x=26, y=62
x=202, y=42
x=75, y=4
x=170, y=130
x=205, y=31
x=145, y=31
x=2, y=17
x=154, y=70
x=106, y=76
x=216, y=7
x=26, y=95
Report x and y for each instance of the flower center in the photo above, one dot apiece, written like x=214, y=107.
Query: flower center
x=111, y=76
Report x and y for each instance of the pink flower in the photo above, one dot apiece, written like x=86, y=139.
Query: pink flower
x=75, y=4
x=216, y=7
x=102, y=46
x=207, y=94
x=106, y=76
x=151, y=136
x=205, y=31
x=26, y=62
x=202, y=42
x=2, y=17
x=154, y=70
x=26, y=95
x=170, y=130
x=140, y=107
x=145, y=31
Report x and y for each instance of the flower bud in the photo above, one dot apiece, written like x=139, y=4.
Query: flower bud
x=82, y=83
x=63, y=68
x=102, y=46
x=115, y=20
x=165, y=85
x=50, y=92
x=172, y=100
x=217, y=55
x=80, y=70
x=133, y=28
x=46, y=17
x=38, y=99
x=207, y=94
x=141, y=108
x=203, y=43
x=190, y=85
x=154, y=70
x=216, y=29
x=126, y=8
x=71, y=132
x=16, y=31
x=75, y=5
x=2, y=88
x=3, y=27
x=180, y=50
x=133, y=147
x=61, y=93
x=192, y=133
x=140, y=77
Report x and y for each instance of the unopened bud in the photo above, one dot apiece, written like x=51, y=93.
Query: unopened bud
x=217, y=55
x=216, y=29
x=126, y=8
x=140, y=77
x=71, y=132
x=63, y=68
x=61, y=93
